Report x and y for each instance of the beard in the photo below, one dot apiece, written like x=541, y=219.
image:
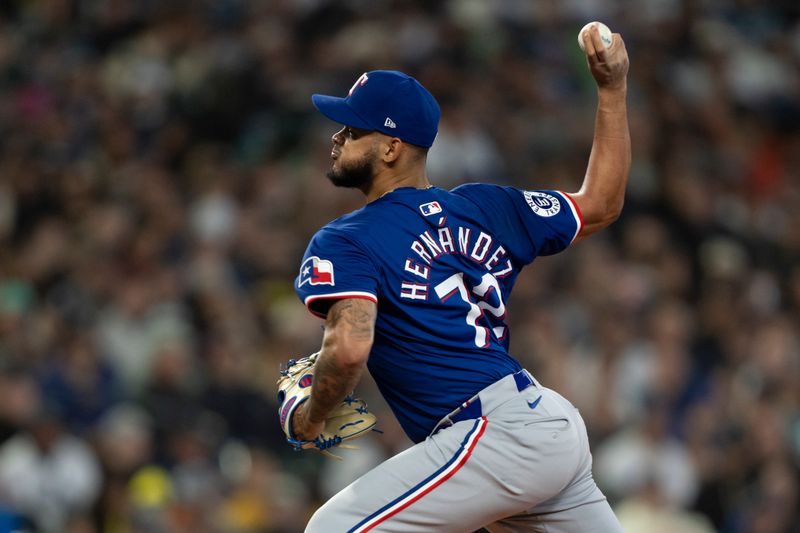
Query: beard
x=356, y=175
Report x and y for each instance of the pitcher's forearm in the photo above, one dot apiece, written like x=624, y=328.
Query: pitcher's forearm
x=610, y=160
x=332, y=382
x=349, y=331
x=603, y=191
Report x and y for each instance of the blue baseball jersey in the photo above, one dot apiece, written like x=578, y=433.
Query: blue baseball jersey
x=440, y=266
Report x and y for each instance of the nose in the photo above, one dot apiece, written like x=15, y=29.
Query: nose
x=338, y=137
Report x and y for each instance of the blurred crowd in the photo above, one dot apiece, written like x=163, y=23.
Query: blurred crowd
x=162, y=169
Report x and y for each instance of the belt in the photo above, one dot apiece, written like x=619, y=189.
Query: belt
x=473, y=408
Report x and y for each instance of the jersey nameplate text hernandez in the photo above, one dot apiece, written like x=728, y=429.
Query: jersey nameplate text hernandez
x=477, y=245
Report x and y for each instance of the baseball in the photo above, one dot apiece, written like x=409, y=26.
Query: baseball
x=605, y=34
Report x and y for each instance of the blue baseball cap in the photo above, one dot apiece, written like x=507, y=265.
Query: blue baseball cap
x=387, y=101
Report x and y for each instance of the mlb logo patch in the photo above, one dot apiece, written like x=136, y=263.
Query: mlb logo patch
x=431, y=208
x=316, y=271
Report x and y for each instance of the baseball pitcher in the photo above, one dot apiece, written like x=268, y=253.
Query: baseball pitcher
x=413, y=286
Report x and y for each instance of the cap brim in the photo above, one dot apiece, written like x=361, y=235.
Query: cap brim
x=338, y=110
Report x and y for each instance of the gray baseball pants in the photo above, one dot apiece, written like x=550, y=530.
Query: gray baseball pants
x=523, y=465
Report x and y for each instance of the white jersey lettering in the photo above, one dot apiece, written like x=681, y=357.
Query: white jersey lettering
x=431, y=244
x=485, y=241
x=495, y=258
x=415, y=268
x=417, y=247
x=446, y=240
x=463, y=239
x=507, y=270
x=413, y=291
x=430, y=248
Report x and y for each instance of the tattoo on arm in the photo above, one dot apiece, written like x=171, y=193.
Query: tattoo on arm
x=355, y=317
x=350, y=325
x=331, y=384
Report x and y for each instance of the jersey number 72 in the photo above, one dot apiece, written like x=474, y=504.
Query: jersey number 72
x=456, y=284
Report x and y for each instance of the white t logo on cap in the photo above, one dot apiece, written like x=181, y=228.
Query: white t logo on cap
x=389, y=123
x=359, y=82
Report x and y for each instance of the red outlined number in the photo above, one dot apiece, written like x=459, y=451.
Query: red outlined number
x=485, y=290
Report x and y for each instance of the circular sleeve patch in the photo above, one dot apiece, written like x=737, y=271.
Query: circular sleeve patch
x=542, y=203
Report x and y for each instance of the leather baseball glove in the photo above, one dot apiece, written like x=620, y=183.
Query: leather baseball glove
x=351, y=419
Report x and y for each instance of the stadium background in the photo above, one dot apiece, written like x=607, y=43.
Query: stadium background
x=161, y=170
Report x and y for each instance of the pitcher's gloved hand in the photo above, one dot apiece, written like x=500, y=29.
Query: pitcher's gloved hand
x=351, y=419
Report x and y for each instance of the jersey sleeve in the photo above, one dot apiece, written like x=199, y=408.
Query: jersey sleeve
x=531, y=223
x=334, y=267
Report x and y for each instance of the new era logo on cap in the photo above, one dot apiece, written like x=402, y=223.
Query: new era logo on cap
x=387, y=101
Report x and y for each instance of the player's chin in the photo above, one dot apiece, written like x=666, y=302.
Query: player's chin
x=334, y=175
x=353, y=175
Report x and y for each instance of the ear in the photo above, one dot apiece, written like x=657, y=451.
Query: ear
x=390, y=149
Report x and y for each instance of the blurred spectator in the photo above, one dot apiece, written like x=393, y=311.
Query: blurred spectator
x=646, y=455
x=649, y=513
x=230, y=394
x=81, y=384
x=47, y=474
x=135, y=328
x=19, y=400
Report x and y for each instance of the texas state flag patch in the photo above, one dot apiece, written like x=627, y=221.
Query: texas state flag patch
x=316, y=271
